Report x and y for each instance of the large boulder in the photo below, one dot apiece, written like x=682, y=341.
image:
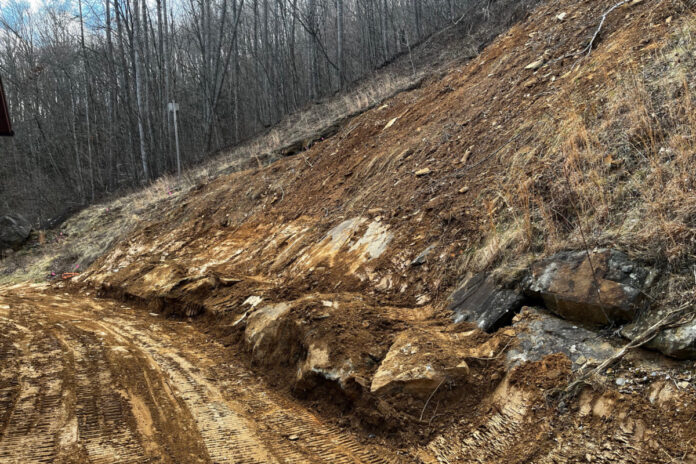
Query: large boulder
x=321, y=338
x=601, y=289
x=272, y=335
x=481, y=301
x=14, y=231
x=419, y=361
x=540, y=334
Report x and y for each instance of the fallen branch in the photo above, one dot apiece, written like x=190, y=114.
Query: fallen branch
x=601, y=23
x=588, y=49
x=429, y=398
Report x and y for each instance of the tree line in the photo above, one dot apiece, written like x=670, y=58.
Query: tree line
x=89, y=82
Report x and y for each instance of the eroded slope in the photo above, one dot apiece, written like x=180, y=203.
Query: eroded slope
x=317, y=265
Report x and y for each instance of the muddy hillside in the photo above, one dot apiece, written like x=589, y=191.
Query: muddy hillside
x=496, y=266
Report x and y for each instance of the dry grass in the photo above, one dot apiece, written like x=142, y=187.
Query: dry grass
x=614, y=166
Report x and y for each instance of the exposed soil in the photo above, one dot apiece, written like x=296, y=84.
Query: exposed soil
x=93, y=380
x=87, y=380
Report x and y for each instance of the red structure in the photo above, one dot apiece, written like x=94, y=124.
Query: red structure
x=5, y=125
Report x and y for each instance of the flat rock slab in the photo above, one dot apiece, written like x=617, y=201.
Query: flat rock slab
x=417, y=363
x=540, y=334
x=481, y=301
x=603, y=288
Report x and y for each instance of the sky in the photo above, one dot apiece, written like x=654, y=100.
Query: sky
x=12, y=10
x=34, y=4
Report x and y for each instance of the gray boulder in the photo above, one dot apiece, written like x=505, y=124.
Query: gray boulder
x=677, y=342
x=540, y=334
x=608, y=288
x=14, y=231
x=481, y=301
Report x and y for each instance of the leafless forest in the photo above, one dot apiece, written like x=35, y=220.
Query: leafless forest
x=89, y=81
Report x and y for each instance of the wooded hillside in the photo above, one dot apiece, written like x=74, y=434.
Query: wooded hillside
x=89, y=82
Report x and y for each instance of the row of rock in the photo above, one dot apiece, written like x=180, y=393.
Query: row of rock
x=594, y=289
x=580, y=292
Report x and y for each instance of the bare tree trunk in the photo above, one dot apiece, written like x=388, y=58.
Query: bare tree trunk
x=89, y=126
x=339, y=39
x=139, y=92
x=111, y=111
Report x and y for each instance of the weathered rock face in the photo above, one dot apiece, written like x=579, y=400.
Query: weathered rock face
x=14, y=231
x=606, y=289
x=481, y=301
x=540, y=334
x=271, y=335
x=419, y=361
x=321, y=365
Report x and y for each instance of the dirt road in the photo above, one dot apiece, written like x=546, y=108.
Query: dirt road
x=91, y=380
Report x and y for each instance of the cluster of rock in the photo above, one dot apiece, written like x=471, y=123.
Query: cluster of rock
x=597, y=289
x=556, y=308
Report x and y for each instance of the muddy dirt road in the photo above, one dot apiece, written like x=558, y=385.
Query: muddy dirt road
x=90, y=380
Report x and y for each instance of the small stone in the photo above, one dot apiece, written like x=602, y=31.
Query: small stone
x=465, y=156
x=668, y=20
x=464, y=189
x=293, y=438
x=581, y=360
x=535, y=64
x=390, y=123
x=422, y=258
x=683, y=385
x=621, y=381
x=562, y=16
x=531, y=82
x=253, y=301
x=423, y=172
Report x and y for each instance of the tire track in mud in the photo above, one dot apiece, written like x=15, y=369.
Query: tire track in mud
x=84, y=382
x=34, y=405
x=101, y=411
x=273, y=422
x=491, y=441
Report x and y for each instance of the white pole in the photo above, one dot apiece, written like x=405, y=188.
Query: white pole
x=174, y=108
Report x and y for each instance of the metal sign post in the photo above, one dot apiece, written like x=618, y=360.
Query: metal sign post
x=174, y=108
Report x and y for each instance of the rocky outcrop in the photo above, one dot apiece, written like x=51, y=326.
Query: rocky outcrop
x=421, y=360
x=540, y=334
x=603, y=288
x=272, y=336
x=14, y=231
x=481, y=301
x=317, y=339
x=321, y=365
